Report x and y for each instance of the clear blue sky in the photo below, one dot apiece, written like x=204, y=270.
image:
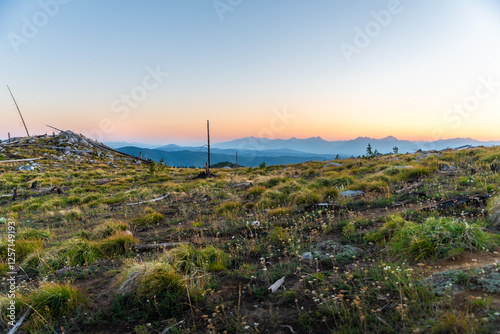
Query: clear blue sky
x=261, y=59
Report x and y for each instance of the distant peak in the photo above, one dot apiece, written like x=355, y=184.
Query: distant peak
x=389, y=138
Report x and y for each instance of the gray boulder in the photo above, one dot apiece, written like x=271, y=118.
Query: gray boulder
x=330, y=251
x=351, y=193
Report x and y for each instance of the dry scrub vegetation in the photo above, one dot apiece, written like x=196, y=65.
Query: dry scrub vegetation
x=393, y=260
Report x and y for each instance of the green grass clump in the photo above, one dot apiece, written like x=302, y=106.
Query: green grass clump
x=189, y=259
x=279, y=235
x=78, y=251
x=109, y=228
x=411, y=174
x=33, y=234
x=393, y=224
x=330, y=194
x=229, y=207
x=306, y=197
x=118, y=244
x=149, y=219
x=255, y=191
x=156, y=278
x=148, y=290
x=278, y=212
x=22, y=247
x=52, y=301
x=440, y=238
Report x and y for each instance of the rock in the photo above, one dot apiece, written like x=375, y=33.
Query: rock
x=26, y=168
x=332, y=164
x=241, y=185
x=446, y=168
x=329, y=250
x=307, y=258
x=254, y=223
x=351, y=193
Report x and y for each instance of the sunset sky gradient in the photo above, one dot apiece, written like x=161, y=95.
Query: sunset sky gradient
x=263, y=58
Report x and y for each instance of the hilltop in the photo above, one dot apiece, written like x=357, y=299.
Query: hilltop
x=106, y=242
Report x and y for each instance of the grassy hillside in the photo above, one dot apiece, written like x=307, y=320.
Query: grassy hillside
x=416, y=252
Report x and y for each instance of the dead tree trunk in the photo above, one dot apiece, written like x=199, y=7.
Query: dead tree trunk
x=208, y=135
x=19, y=110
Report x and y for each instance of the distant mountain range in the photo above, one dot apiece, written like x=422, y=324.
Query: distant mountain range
x=189, y=158
x=353, y=147
x=253, y=151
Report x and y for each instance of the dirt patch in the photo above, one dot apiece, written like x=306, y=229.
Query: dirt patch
x=467, y=260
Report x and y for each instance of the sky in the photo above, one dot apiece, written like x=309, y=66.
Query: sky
x=155, y=71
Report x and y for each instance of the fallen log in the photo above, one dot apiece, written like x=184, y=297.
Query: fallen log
x=21, y=160
x=149, y=201
x=478, y=200
x=151, y=247
x=19, y=322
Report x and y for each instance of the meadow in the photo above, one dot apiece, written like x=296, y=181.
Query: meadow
x=416, y=252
